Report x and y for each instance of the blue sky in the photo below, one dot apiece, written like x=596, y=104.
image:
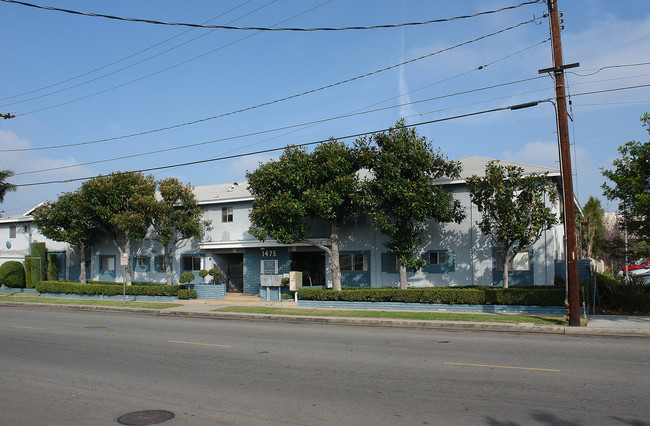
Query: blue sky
x=138, y=77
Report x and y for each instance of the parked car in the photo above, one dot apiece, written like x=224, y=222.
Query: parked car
x=634, y=266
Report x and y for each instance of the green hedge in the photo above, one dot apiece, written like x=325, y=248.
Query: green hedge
x=107, y=289
x=528, y=296
x=187, y=294
x=12, y=274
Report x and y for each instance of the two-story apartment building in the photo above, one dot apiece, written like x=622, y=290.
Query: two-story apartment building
x=456, y=254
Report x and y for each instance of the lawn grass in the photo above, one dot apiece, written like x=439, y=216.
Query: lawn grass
x=437, y=316
x=35, y=298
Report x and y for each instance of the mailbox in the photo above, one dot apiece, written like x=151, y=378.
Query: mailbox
x=295, y=280
x=271, y=280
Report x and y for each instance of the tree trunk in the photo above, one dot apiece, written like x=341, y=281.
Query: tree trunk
x=402, y=276
x=127, y=252
x=507, y=257
x=168, y=266
x=334, y=258
x=82, y=263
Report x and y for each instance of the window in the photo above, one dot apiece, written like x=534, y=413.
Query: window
x=161, y=265
x=521, y=262
x=191, y=263
x=12, y=231
x=393, y=262
x=438, y=257
x=226, y=214
x=107, y=263
x=353, y=262
x=141, y=264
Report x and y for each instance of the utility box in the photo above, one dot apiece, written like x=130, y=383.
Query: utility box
x=295, y=280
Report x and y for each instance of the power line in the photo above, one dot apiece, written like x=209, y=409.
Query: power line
x=610, y=90
x=264, y=151
x=172, y=66
x=607, y=67
x=130, y=56
x=226, y=27
x=294, y=126
x=175, y=126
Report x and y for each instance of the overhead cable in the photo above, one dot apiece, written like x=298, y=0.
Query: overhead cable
x=126, y=57
x=172, y=66
x=284, y=98
x=226, y=27
x=293, y=126
x=264, y=151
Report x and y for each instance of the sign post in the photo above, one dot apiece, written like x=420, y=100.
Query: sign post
x=124, y=261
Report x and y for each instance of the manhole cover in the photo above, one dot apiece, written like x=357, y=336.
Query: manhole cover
x=145, y=417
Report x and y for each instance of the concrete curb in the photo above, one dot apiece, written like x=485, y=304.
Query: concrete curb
x=359, y=322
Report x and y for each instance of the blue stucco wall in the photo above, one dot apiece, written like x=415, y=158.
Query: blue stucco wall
x=209, y=291
x=252, y=259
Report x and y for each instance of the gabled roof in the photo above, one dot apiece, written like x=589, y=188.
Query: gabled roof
x=475, y=165
x=222, y=193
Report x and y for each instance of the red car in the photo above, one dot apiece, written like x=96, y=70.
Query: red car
x=639, y=264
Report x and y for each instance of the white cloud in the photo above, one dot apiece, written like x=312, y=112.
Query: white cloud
x=236, y=170
x=21, y=162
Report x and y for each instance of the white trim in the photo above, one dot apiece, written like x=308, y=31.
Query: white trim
x=225, y=200
x=213, y=245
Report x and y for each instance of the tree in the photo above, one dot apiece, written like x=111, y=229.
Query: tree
x=124, y=204
x=591, y=229
x=319, y=185
x=70, y=219
x=515, y=209
x=401, y=193
x=631, y=179
x=176, y=217
x=4, y=185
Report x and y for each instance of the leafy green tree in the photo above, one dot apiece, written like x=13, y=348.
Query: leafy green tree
x=319, y=185
x=590, y=228
x=70, y=219
x=124, y=204
x=401, y=193
x=4, y=185
x=177, y=217
x=631, y=184
x=515, y=208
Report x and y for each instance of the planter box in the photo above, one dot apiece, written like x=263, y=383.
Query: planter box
x=435, y=307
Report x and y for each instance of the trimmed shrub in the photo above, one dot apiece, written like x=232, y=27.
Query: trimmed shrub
x=28, y=272
x=53, y=267
x=12, y=274
x=39, y=257
x=107, y=289
x=187, y=294
x=529, y=296
x=186, y=277
x=203, y=273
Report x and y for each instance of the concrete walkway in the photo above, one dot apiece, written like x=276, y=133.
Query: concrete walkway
x=599, y=325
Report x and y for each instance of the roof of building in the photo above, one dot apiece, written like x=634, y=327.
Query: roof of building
x=221, y=193
x=475, y=165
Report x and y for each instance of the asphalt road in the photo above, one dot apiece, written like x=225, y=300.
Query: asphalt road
x=89, y=368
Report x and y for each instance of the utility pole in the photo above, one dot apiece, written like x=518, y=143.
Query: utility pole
x=565, y=164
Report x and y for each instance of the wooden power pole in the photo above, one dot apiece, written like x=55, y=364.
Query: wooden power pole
x=565, y=164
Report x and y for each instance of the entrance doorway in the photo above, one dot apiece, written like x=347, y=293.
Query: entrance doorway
x=312, y=264
x=234, y=272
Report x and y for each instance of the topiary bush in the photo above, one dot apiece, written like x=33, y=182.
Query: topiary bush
x=214, y=273
x=12, y=274
x=109, y=289
x=53, y=267
x=186, y=277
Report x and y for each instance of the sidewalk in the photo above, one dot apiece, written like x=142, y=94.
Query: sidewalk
x=599, y=325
